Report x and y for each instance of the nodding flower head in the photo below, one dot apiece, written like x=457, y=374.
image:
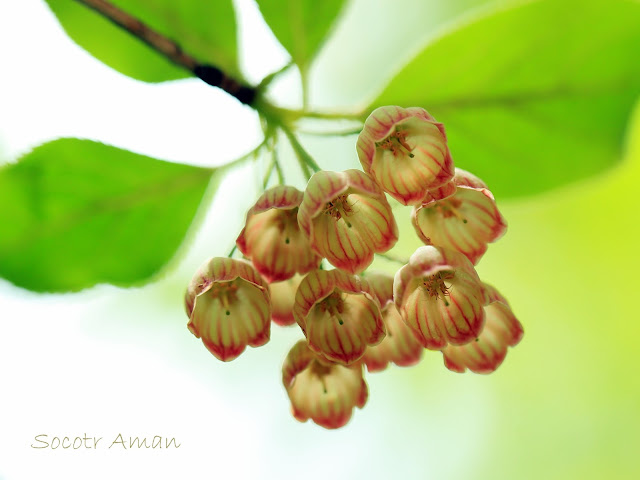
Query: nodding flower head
x=320, y=390
x=347, y=219
x=400, y=346
x=501, y=330
x=339, y=315
x=228, y=306
x=405, y=150
x=439, y=295
x=272, y=239
x=465, y=221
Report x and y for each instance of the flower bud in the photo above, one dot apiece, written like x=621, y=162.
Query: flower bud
x=405, y=151
x=338, y=314
x=465, y=221
x=440, y=297
x=272, y=239
x=229, y=307
x=347, y=219
x=325, y=392
x=501, y=330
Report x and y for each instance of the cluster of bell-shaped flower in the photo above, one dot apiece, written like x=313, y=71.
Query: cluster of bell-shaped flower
x=351, y=319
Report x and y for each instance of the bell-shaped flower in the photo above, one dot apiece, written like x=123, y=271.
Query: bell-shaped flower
x=347, y=219
x=320, y=390
x=228, y=306
x=283, y=295
x=400, y=346
x=465, y=221
x=439, y=295
x=272, y=239
x=501, y=330
x=339, y=315
x=405, y=150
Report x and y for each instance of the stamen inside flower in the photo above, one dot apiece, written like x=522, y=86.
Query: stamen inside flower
x=435, y=286
x=396, y=142
x=226, y=293
x=333, y=305
x=450, y=208
x=287, y=224
x=339, y=207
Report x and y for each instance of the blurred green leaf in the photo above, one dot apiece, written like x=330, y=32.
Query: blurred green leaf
x=75, y=213
x=300, y=25
x=533, y=96
x=204, y=30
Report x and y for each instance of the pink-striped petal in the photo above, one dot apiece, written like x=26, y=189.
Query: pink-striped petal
x=229, y=307
x=347, y=219
x=272, y=238
x=465, y=222
x=440, y=297
x=400, y=346
x=283, y=295
x=338, y=314
x=326, y=393
x=501, y=330
x=405, y=151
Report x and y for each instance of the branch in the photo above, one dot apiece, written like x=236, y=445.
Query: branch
x=172, y=51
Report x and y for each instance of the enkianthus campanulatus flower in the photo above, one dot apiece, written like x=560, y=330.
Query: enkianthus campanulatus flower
x=465, y=221
x=501, y=330
x=405, y=150
x=272, y=239
x=400, y=346
x=339, y=315
x=439, y=295
x=321, y=390
x=228, y=306
x=347, y=219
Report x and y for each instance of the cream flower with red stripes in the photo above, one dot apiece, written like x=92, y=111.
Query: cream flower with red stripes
x=283, y=295
x=465, y=221
x=229, y=307
x=501, y=330
x=339, y=314
x=400, y=346
x=320, y=390
x=347, y=219
x=272, y=239
x=405, y=150
x=439, y=295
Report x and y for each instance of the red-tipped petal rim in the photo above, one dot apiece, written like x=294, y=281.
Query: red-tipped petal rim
x=400, y=346
x=502, y=330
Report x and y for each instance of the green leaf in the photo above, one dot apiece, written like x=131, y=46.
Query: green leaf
x=204, y=30
x=75, y=213
x=300, y=25
x=534, y=96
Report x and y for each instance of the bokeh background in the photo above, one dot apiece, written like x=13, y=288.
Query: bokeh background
x=564, y=405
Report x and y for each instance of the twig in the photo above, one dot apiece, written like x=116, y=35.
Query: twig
x=171, y=50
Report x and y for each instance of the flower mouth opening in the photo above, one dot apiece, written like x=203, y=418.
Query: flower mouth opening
x=334, y=305
x=435, y=285
x=340, y=208
x=288, y=224
x=450, y=208
x=226, y=293
x=396, y=142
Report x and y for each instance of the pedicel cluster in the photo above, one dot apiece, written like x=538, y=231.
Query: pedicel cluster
x=351, y=318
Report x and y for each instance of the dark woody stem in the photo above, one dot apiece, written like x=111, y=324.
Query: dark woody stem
x=171, y=50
